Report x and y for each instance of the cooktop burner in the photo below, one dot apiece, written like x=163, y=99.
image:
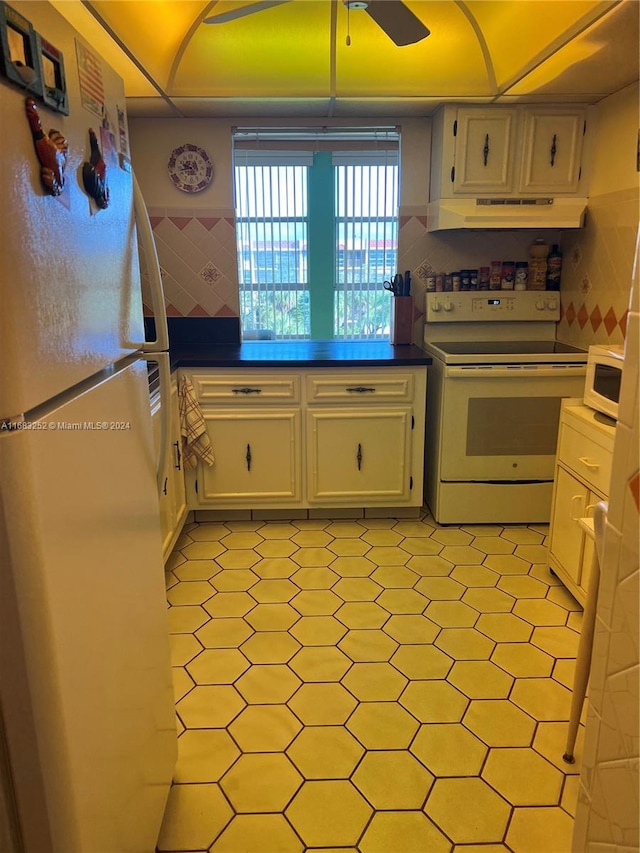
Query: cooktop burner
x=504, y=352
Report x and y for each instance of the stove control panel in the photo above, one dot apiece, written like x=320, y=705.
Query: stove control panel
x=492, y=306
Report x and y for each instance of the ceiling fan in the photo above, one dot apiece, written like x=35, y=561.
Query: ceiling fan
x=392, y=16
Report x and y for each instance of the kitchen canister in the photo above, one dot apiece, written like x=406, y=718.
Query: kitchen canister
x=538, y=252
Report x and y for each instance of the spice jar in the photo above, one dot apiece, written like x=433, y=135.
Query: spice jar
x=538, y=252
x=521, y=275
x=507, y=276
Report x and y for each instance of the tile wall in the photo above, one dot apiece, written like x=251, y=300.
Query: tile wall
x=197, y=254
x=607, y=816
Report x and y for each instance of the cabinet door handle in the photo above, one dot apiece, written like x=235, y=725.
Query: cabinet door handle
x=164, y=488
x=248, y=457
x=577, y=507
x=178, y=462
x=485, y=150
x=553, y=150
x=359, y=457
x=360, y=389
x=247, y=390
x=593, y=466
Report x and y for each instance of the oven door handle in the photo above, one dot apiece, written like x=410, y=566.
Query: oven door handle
x=513, y=371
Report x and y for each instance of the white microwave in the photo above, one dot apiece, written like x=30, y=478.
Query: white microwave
x=604, y=378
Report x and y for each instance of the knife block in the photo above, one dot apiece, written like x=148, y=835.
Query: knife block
x=401, y=320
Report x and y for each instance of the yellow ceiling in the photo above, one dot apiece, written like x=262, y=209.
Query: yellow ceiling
x=293, y=60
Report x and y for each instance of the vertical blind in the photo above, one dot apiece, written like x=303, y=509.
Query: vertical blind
x=282, y=214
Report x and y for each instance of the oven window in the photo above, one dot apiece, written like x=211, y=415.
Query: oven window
x=516, y=426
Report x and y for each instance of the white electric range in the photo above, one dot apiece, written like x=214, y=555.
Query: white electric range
x=493, y=404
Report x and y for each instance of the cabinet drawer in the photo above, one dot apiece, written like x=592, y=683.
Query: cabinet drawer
x=246, y=389
x=590, y=461
x=360, y=387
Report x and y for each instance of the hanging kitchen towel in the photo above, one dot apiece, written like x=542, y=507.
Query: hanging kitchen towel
x=195, y=441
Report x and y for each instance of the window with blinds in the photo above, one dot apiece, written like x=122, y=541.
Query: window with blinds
x=317, y=231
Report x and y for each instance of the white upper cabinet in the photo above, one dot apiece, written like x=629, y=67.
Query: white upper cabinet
x=551, y=150
x=510, y=152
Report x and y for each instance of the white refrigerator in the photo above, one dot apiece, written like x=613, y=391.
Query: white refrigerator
x=87, y=722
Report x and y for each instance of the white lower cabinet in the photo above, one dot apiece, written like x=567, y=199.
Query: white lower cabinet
x=583, y=472
x=339, y=437
x=172, y=492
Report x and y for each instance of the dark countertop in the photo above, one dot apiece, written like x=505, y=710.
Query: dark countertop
x=298, y=354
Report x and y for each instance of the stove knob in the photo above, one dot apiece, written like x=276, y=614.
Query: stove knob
x=435, y=305
x=540, y=304
x=448, y=306
x=552, y=304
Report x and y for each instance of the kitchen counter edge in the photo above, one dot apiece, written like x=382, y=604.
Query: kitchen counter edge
x=298, y=354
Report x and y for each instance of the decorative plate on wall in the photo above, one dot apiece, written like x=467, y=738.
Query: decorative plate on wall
x=190, y=168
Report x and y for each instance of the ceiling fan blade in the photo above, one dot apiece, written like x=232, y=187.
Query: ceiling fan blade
x=398, y=22
x=243, y=11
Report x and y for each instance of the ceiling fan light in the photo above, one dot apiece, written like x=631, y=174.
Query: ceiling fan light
x=355, y=4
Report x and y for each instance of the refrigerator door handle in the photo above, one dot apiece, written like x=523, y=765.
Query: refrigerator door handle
x=164, y=369
x=145, y=233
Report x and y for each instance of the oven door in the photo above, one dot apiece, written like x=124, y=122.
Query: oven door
x=500, y=422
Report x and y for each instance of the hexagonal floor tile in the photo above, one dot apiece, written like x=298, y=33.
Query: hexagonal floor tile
x=504, y=627
x=451, y=536
x=493, y=545
x=532, y=553
x=357, y=589
x=411, y=832
x=195, y=815
x=523, y=586
x=190, y=592
x=238, y=559
x=421, y=547
x=465, y=643
x=241, y=540
x=371, y=682
x=402, y=601
x=322, y=704
x=268, y=684
x=489, y=600
x=278, y=530
x=248, y=832
x=274, y=591
x=367, y=645
x=535, y=829
x=411, y=781
x=265, y=728
x=475, y=576
x=540, y=612
x=381, y=537
x=312, y=538
x=202, y=550
x=498, y=722
x=316, y=602
x=224, y=633
x=387, y=556
x=431, y=566
x=420, y=529
x=234, y=580
x=320, y=663
x=462, y=555
x=229, y=604
x=272, y=617
x=551, y=740
x=440, y=589
x=394, y=577
x=195, y=570
x=329, y=813
x=270, y=647
x=318, y=630
x=523, y=777
x=560, y=595
x=522, y=660
x=507, y=564
x=449, y=749
x=210, y=707
x=261, y=782
x=411, y=629
x=451, y=614
x=422, y=662
x=204, y=755
x=434, y=701
x=542, y=698
x=564, y=671
x=325, y=752
x=275, y=567
x=217, y=666
x=382, y=725
x=522, y=535
x=315, y=578
x=480, y=679
x=353, y=567
x=349, y=547
x=182, y=682
x=344, y=529
x=276, y=548
x=312, y=557
x=367, y=614
x=485, y=813
x=558, y=642
x=184, y=647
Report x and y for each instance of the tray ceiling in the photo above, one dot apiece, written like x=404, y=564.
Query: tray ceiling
x=293, y=60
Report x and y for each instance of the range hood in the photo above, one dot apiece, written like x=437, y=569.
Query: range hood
x=505, y=213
